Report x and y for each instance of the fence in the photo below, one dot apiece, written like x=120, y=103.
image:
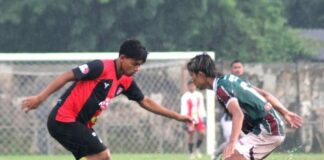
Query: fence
x=126, y=128
x=300, y=87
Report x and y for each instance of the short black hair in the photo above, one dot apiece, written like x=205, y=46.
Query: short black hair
x=202, y=63
x=133, y=49
x=236, y=61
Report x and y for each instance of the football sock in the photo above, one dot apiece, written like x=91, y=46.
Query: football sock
x=199, y=142
x=190, y=147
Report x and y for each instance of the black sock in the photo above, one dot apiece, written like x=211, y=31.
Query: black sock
x=190, y=145
x=199, y=142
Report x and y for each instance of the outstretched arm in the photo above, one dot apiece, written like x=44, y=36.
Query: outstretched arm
x=237, y=122
x=292, y=118
x=33, y=102
x=151, y=106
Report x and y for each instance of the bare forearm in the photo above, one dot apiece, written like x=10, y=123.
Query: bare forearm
x=237, y=122
x=151, y=106
x=56, y=84
x=276, y=104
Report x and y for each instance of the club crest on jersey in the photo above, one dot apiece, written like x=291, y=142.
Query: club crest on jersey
x=267, y=107
x=119, y=90
x=84, y=68
x=104, y=104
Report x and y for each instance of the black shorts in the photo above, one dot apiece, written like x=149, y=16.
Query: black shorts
x=75, y=137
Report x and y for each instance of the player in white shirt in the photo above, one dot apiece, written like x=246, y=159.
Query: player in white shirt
x=192, y=105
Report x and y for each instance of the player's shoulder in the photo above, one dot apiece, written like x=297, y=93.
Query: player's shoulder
x=224, y=79
x=186, y=95
x=197, y=93
x=107, y=62
x=126, y=81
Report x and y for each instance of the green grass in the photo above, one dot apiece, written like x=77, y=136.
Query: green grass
x=276, y=156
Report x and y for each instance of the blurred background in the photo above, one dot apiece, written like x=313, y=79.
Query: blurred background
x=280, y=42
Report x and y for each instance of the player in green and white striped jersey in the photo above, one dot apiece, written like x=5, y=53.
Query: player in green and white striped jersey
x=253, y=111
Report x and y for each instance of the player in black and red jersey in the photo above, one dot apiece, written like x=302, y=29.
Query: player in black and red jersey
x=96, y=83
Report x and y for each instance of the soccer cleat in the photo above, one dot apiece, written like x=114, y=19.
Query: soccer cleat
x=198, y=154
x=192, y=156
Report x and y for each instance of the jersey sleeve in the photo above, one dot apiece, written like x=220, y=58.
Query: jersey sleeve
x=225, y=95
x=90, y=70
x=134, y=92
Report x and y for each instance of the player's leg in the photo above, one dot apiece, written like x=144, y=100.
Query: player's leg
x=78, y=139
x=200, y=128
x=227, y=130
x=104, y=155
x=190, y=143
x=236, y=156
x=259, y=146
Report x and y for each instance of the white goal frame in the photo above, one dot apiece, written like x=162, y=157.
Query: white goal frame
x=210, y=96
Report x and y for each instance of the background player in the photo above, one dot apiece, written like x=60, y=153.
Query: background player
x=192, y=105
x=95, y=83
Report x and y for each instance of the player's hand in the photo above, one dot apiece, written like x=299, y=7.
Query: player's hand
x=30, y=103
x=229, y=150
x=190, y=127
x=294, y=120
x=186, y=119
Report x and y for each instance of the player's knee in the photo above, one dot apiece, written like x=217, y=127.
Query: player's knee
x=104, y=155
x=236, y=156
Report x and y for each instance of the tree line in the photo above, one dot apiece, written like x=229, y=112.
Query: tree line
x=252, y=30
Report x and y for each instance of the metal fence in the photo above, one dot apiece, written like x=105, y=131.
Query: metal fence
x=300, y=87
x=125, y=127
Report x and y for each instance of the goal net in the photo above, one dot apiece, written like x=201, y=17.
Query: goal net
x=124, y=127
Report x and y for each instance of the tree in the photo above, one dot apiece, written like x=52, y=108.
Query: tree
x=305, y=14
x=231, y=28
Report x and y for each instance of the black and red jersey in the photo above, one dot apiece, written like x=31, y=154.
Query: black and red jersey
x=96, y=84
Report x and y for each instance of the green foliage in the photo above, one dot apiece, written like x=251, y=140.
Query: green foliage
x=252, y=30
x=305, y=14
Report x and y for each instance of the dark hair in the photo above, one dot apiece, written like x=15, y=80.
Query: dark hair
x=133, y=49
x=202, y=63
x=235, y=61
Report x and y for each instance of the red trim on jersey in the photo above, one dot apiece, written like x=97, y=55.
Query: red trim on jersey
x=274, y=127
x=223, y=95
x=80, y=94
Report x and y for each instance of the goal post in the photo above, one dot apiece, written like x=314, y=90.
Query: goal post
x=13, y=64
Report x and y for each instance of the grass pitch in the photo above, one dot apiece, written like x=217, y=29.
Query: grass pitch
x=275, y=156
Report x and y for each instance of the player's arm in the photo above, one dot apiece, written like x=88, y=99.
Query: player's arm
x=152, y=106
x=237, y=121
x=293, y=119
x=135, y=94
x=87, y=71
x=226, y=96
x=33, y=102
